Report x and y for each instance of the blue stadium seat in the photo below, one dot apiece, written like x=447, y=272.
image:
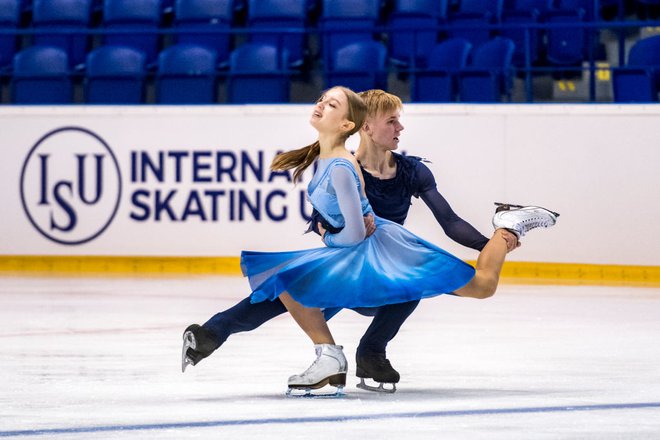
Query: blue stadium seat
x=258, y=74
x=359, y=66
x=10, y=16
x=639, y=79
x=647, y=9
x=472, y=19
x=279, y=14
x=205, y=23
x=437, y=83
x=186, y=75
x=413, y=30
x=488, y=78
x=70, y=19
x=588, y=6
x=565, y=45
x=133, y=23
x=115, y=75
x=344, y=22
x=541, y=7
x=41, y=76
x=527, y=40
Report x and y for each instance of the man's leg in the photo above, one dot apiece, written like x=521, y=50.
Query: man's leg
x=371, y=359
x=201, y=341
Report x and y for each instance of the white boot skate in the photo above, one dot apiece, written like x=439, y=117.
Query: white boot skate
x=522, y=219
x=329, y=368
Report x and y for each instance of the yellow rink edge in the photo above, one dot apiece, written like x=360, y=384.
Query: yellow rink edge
x=513, y=272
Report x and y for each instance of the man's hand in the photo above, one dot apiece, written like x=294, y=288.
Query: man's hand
x=369, y=225
x=322, y=230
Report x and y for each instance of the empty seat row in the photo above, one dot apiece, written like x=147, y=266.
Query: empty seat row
x=410, y=27
x=186, y=74
x=259, y=73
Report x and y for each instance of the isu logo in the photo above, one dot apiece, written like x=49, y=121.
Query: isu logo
x=70, y=185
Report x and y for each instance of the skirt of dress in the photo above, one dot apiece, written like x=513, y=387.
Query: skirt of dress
x=391, y=266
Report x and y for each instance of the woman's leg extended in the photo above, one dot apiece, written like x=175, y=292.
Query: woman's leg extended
x=310, y=319
x=489, y=265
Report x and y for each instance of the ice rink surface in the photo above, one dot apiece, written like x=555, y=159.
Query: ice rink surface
x=99, y=358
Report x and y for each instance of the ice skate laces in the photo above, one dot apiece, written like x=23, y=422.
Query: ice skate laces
x=539, y=218
x=311, y=368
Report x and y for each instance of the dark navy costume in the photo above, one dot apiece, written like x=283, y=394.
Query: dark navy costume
x=390, y=199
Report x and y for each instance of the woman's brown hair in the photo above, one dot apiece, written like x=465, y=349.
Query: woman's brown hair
x=303, y=157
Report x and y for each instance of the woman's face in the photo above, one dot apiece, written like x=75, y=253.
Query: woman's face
x=330, y=111
x=384, y=130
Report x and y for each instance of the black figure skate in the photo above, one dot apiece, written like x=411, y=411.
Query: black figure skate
x=379, y=369
x=522, y=219
x=198, y=343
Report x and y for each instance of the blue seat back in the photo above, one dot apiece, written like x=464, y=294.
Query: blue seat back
x=206, y=23
x=450, y=55
x=203, y=11
x=344, y=22
x=359, y=66
x=411, y=38
x=41, y=76
x=565, y=45
x=279, y=14
x=61, y=12
x=71, y=18
x=645, y=52
x=433, y=8
x=270, y=9
x=10, y=12
x=366, y=55
x=186, y=75
x=141, y=12
x=493, y=8
x=541, y=6
x=527, y=40
x=489, y=75
x=115, y=61
x=368, y=9
x=634, y=85
x=639, y=79
x=115, y=75
x=495, y=54
x=256, y=57
x=138, y=20
x=438, y=82
x=257, y=74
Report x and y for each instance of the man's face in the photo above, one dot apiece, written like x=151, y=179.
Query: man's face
x=384, y=130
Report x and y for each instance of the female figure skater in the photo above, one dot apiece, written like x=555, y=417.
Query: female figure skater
x=391, y=266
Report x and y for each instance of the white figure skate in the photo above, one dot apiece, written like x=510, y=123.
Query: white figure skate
x=522, y=219
x=329, y=368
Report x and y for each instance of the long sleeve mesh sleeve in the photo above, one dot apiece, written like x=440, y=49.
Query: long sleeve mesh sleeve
x=348, y=199
x=454, y=226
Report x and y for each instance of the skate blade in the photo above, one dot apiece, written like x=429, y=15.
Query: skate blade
x=377, y=389
x=508, y=206
x=315, y=393
x=188, y=342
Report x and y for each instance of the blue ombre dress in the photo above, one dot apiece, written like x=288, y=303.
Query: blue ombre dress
x=391, y=266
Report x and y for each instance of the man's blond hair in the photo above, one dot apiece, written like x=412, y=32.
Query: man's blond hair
x=380, y=102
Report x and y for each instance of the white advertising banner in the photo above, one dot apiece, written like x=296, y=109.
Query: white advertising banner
x=195, y=181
